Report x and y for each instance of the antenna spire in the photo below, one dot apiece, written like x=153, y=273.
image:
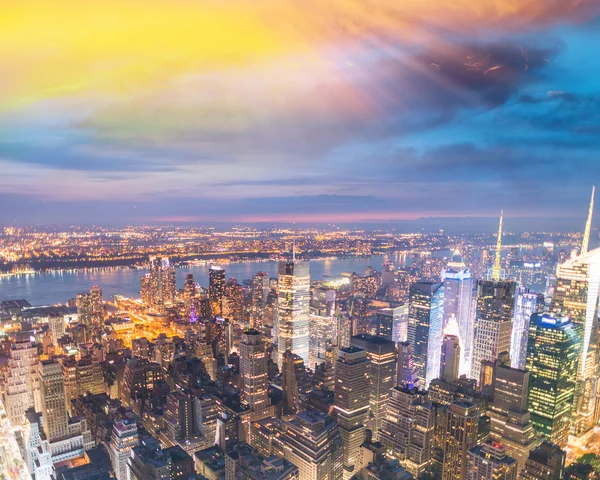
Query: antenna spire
x=496, y=269
x=588, y=225
x=294, y=251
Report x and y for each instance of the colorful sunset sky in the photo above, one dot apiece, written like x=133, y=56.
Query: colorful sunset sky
x=312, y=111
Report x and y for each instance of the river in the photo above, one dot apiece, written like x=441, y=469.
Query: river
x=60, y=286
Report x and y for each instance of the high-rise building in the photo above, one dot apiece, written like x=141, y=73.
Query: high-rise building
x=576, y=295
x=168, y=282
x=392, y=323
x=21, y=384
x=85, y=311
x=293, y=381
x=406, y=374
x=459, y=435
x=56, y=322
x=293, y=309
x=528, y=303
x=352, y=403
x=321, y=325
x=81, y=377
x=97, y=305
x=146, y=289
x=493, y=322
x=260, y=291
x=553, y=352
x=158, y=288
x=123, y=439
x=491, y=462
x=312, y=442
x=155, y=282
x=546, y=462
x=388, y=274
x=458, y=303
x=342, y=326
x=425, y=326
x=189, y=298
x=253, y=370
x=408, y=429
x=52, y=394
x=510, y=421
x=139, y=377
x=182, y=417
x=382, y=376
x=216, y=289
x=450, y=359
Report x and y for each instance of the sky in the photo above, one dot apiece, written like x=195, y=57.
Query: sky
x=278, y=111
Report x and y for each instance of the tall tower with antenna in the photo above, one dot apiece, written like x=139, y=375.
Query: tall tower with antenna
x=496, y=271
x=585, y=244
x=577, y=295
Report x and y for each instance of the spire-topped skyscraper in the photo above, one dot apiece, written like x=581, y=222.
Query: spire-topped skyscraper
x=588, y=225
x=496, y=271
x=576, y=295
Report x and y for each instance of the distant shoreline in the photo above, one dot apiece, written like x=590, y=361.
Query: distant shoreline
x=178, y=263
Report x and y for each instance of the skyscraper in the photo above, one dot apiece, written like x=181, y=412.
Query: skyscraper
x=158, y=287
x=253, y=370
x=260, y=291
x=553, y=352
x=425, y=326
x=293, y=381
x=293, y=309
x=450, y=358
x=458, y=304
x=123, y=439
x=351, y=404
x=189, y=298
x=312, y=442
x=182, y=417
x=493, y=322
x=52, y=394
x=83, y=302
x=405, y=367
x=216, y=289
x=510, y=421
x=21, y=381
x=56, y=322
x=459, y=435
x=382, y=376
x=321, y=325
x=528, y=303
x=576, y=295
x=392, y=323
x=168, y=282
x=97, y=304
x=408, y=429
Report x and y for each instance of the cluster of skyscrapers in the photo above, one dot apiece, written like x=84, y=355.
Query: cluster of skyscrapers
x=281, y=379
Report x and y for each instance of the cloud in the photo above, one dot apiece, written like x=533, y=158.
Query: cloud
x=126, y=46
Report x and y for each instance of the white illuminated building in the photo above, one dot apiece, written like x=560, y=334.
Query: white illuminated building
x=458, y=304
x=21, y=384
x=576, y=294
x=293, y=309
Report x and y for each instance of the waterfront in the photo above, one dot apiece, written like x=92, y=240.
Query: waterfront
x=60, y=286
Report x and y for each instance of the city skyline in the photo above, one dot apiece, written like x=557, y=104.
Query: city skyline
x=333, y=113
